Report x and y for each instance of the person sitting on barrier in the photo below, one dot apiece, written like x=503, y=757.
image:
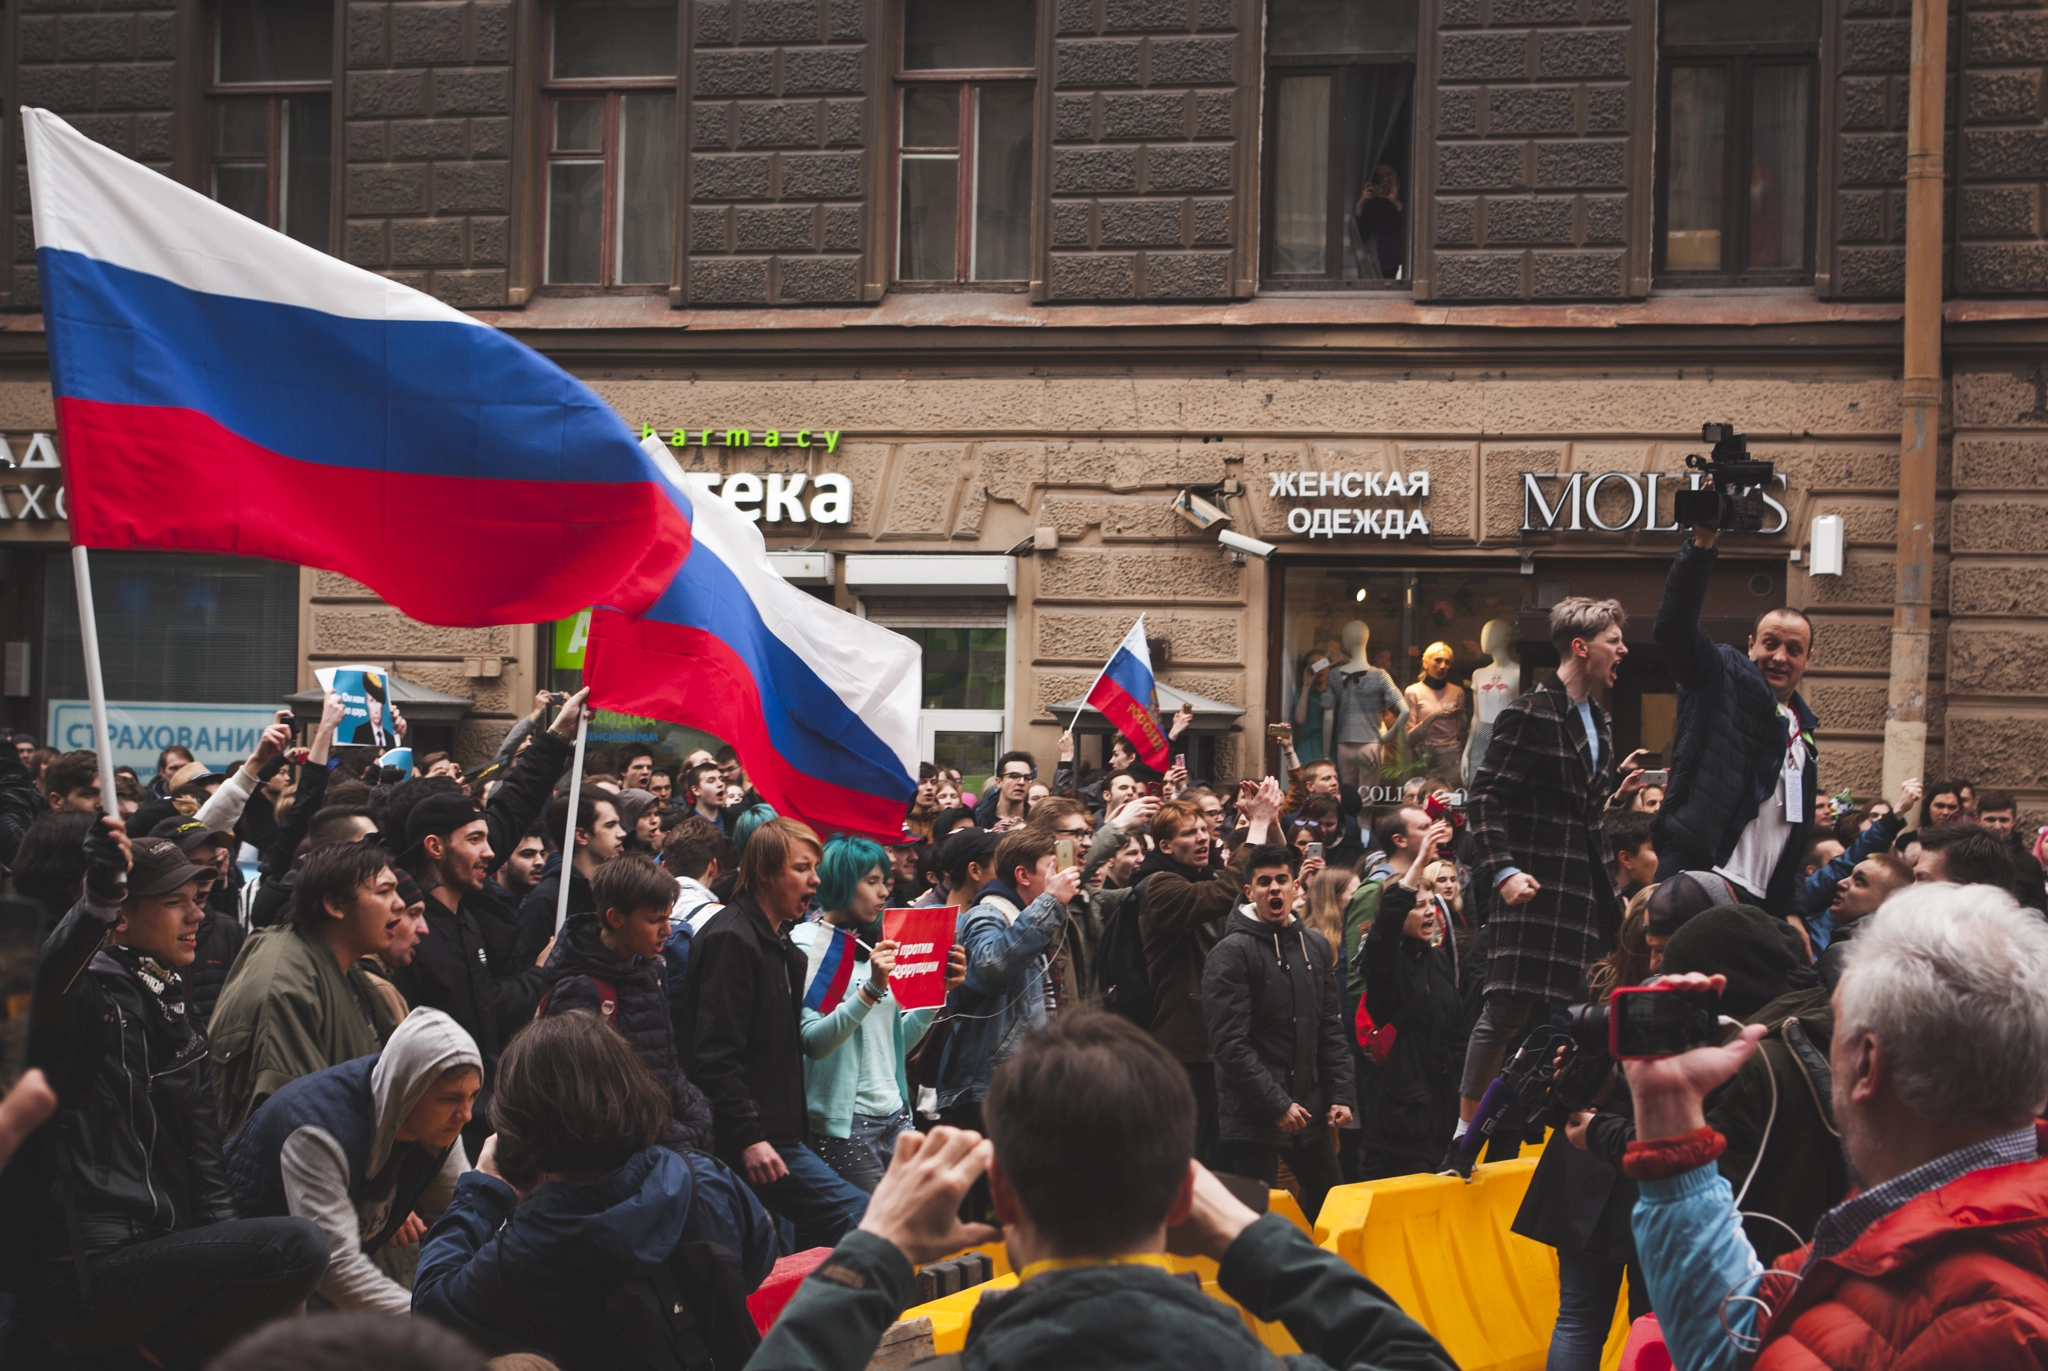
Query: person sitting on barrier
x=1939, y=1067
x=1090, y=1161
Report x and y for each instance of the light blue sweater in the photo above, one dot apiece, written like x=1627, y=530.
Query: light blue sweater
x=832, y=1057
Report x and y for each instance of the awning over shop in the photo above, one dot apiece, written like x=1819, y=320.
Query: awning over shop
x=419, y=704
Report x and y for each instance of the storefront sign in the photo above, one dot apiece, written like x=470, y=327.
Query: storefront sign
x=217, y=734
x=1329, y=521
x=38, y=500
x=1573, y=506
x=782, y=493
x=826, y=438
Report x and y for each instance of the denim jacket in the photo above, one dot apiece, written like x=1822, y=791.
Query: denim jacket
x=1003, y=997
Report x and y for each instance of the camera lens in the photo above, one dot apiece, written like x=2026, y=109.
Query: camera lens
x=1589, y=1026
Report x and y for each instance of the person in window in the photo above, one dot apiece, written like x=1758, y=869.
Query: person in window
x=1380, y=212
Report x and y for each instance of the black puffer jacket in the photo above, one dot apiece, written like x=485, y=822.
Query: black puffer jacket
x=1269, y=996
x=136, y=1139
x=639, y=1010
x=1730, y=742
x=221, y=936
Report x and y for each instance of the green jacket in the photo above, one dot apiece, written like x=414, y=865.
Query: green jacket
x=287, y=1011
x=1115, y=1316
x=1358, y=917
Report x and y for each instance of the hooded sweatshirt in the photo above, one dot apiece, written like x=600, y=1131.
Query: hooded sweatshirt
x=326, y=1148
x=534, y=1275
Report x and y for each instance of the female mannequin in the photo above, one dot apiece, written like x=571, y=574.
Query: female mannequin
x=1365, y=696
x=1494, y=686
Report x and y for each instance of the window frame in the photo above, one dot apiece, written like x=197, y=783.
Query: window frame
x=214, y=92
x=1740, y=61
x=968, y=82
x=1334, y=65
x=609, y=89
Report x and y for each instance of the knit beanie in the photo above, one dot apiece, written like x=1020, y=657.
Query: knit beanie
x=1756, y=952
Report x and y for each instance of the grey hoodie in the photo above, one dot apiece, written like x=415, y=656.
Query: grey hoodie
x=422, y=1049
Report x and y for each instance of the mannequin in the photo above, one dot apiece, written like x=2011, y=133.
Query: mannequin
x=1494, y=686
x=1439, y=716
x=1365, y=696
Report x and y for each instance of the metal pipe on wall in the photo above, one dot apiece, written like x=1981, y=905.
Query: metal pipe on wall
x=1905, y=724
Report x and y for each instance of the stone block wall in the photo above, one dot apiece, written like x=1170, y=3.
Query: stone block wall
x=2002, y=239
x=1997, y=701
x=106, y=70
x=780, y=137
x=1148, y=102
x=1867, y=258
x=426, y=103
x=1533, y=166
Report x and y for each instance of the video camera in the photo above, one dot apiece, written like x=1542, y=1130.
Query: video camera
x=1732, y=500
x=1559, y=1068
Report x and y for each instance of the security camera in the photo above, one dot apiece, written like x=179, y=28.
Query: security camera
x=1238, y=542
x=1198, y=511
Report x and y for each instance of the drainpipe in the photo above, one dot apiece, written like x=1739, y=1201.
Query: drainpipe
x=1905, y=721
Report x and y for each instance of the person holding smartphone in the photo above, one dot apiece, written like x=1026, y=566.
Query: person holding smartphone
x=1410, y=977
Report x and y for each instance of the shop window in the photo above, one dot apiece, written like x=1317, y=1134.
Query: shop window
x=1736, y=151
x=1339, y=120
x=176, y=627
x=1403, y=613
x=963, y=716
x=270, y=131
x=964, y=101
x=611, y=142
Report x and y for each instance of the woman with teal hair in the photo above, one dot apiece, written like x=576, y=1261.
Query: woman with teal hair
x=750, y=819
x=856, y=1087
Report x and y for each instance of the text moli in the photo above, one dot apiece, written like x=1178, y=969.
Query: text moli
x=1576, y=508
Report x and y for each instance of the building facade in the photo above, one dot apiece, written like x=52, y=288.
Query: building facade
x=1432, y=296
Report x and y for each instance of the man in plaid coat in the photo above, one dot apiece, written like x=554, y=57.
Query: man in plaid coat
x=1535, y=813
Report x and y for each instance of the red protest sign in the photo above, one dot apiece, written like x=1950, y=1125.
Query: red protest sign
x=924, y=943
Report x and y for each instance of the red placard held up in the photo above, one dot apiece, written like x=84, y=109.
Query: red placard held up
x=924, y=943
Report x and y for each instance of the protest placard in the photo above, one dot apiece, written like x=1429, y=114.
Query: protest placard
x=366, y=717
x=924, y=943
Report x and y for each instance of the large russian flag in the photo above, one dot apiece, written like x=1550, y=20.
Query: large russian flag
x=1125, y=693
x=222, y=388
x=821, y=705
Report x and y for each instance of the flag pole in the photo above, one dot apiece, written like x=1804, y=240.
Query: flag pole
x=95, y=682
x=569, y=829
x=1075, y=721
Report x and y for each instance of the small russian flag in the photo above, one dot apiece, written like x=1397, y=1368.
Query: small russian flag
x=830, y=971
x=1125, y=694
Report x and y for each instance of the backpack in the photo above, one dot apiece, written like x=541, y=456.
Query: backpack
x=689, y=1314
x=1120, y=971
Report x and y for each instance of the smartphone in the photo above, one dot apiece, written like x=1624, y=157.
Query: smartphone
x=1648, y=1021
x=1154, y=789
x=1319, y=664
x=1180, y=759
x=1275, y=732
x=1063, y=854
x=1312, y=850
x=1659, y=777
x=1649, y=758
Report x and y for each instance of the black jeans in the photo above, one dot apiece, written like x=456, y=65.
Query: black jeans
x=1311, y=1158
x=1202, y=1077
x=187, y=1296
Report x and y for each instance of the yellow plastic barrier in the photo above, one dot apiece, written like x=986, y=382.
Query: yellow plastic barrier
x=1440, y=1247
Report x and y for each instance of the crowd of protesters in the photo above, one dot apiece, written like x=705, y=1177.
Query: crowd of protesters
x=568, y=1080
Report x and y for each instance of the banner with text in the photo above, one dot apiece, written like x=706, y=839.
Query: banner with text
x=924, y=943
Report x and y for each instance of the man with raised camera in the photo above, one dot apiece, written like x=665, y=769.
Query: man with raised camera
x=1743, y=768
x=1937, y=1070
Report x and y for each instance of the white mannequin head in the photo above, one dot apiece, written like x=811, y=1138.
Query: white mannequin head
x=1497, y=640
x=1357, y=637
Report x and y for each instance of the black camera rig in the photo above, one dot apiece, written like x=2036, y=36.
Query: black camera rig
x=1732, y=499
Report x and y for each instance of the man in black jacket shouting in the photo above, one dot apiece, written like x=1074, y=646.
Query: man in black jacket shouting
x=1743, y=764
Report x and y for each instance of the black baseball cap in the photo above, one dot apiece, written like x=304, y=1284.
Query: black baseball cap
x=190, y=833
x=438, y=816
x=159, y=867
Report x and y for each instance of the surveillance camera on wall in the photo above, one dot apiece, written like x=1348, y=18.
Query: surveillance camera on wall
x=1238, y=542
x=1198, y=511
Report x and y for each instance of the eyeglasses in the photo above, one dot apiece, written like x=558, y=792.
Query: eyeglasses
x=1018, y=775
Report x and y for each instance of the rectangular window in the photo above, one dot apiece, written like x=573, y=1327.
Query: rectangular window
x=1736, y=150
x=270, y=114
x=1339, y=125
x=964, y=144
x=611, y=143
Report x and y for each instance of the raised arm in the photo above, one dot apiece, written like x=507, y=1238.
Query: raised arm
x=1687, y=647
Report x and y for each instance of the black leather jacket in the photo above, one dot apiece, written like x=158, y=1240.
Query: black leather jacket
x=137, y=1143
